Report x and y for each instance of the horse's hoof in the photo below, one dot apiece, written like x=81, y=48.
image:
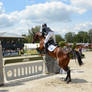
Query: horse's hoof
x=68, y=81
x=82, y=64
x=57, y=72
x=65, y=79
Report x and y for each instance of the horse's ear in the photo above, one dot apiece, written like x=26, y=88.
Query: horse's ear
x=33, y=32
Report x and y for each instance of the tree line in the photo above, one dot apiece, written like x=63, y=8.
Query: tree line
x=71, y=37
x=80, y=37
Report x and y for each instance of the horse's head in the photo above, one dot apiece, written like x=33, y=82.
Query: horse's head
x=36, y=36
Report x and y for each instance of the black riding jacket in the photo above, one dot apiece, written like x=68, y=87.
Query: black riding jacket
x=45, y=31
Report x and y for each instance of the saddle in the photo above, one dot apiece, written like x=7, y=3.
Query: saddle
x=51, y=45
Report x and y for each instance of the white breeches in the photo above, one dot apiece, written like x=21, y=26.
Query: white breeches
x=50, y=35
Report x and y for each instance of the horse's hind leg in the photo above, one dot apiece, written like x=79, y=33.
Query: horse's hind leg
x=68, y=77
x=69, y=74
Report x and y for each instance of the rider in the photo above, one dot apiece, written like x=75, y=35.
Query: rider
x=47, y=33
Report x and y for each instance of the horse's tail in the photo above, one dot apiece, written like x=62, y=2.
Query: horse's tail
x=78, y=56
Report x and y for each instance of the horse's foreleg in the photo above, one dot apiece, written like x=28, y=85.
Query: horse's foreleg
x=38, y=50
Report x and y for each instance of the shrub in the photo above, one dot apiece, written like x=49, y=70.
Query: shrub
x=62, y=43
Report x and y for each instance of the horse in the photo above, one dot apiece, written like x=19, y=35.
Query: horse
x=63, y=58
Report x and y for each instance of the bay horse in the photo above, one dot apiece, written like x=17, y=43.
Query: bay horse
x=62, y=57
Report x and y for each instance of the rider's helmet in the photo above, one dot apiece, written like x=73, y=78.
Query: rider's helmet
x=44, y=25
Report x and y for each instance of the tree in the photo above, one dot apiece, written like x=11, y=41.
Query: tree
x=29, y=37
x=62, y=43
x=90, y=35
x=82, y=37
x=69, y=37
x=35, y=29
x=58, y=38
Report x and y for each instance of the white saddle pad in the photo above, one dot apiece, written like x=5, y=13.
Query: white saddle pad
x=51, y=47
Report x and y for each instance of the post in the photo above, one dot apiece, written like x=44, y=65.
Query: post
x=51, y=64
x=1, y=68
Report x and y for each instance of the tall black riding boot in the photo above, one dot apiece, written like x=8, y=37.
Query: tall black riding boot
x=46, y=48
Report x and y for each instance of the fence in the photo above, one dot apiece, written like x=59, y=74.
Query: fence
x=19, y=70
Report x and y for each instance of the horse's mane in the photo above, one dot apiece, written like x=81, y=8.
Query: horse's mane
x=39, y=34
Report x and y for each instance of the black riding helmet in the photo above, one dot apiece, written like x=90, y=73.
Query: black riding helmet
x=44, y=25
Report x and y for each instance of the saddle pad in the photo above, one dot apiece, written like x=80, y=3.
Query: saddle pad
x=51, y=47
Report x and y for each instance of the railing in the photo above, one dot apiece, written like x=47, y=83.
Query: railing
x=16, y=71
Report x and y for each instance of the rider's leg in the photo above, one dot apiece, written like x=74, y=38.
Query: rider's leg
x=46, y=40
x=46, y=47
x=50, y=34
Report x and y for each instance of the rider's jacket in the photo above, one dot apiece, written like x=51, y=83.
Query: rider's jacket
x=45, y=31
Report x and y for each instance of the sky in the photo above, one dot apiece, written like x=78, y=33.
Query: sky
x=62, y=16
